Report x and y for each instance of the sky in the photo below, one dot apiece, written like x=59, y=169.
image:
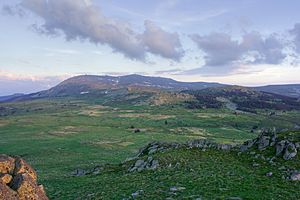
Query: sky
x=245, y=42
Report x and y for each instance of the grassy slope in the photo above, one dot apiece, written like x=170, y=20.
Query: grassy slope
x=68, y=134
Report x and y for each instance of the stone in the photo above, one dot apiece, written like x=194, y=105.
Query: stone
x=255, y=165
x=6, y=193
x=152, y=151
x=263, y=142
x=6, y=178
x=24, y=167
x=137, y=194
x=154, y=164
x=27, y=187
x=247, y=145
x=224, y=147
x=273, y=139
x=295, y=176
x=139, y=163
x=290, y=152
x=269, y=174
x=234, y=198
x=280, y=147
x=79, y=172
x=20, y=182
x=176, y=189
x=7, y=164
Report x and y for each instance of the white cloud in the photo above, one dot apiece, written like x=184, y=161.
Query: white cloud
x=82, y=20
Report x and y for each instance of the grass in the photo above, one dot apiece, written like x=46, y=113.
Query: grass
x=60, y=135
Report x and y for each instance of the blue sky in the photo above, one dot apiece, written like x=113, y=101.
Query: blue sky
x=247, y=42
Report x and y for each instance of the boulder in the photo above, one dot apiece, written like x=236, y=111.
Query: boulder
x=6, y=193
x=18, y=180
x=290, y=151
x=6, y=178
x=280, y=147
x=273, y=139
x=295, y=176
x=247, y=145
x=27, y=188
x=141, y=165
x=263, y=142
x=7, y=164
x=24, y=167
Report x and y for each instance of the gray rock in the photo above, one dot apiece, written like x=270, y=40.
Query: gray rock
x=280, y=147
x=263, y=142
x=79, y=172
x=273, y=139
x=295, y=176
x=137, y=194
x=290, y=152
x=154, y=164
x=247, y=145
x=152, y=151
x=139, y=163
x=176, y=189
x=255, y=165
x=234, y=198
x=225, y=147
x=269, y=174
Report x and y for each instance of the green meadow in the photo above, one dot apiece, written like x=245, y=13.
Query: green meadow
x=59, y=136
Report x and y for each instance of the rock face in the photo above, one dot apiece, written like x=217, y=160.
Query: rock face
x=18, y=180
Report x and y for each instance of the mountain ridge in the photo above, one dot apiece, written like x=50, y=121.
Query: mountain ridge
x=101, y=84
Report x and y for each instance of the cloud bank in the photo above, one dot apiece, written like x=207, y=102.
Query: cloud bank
x=226, y=53
x=81, y=19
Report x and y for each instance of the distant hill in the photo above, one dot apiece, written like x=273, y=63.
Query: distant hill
x=120, y=86
x=241, y=98
x=10, y=97
x=291, y=90
x=85, y=84
x=92, y=85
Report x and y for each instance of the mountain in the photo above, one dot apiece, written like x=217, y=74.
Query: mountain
x=291, y=90
x=93, y=85
x=88, y=83
x=120, y=86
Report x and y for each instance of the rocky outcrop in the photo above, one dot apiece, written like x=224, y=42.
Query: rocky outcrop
x=18, y=180
x=155, y=147
x=141, y=165
x=285, y=148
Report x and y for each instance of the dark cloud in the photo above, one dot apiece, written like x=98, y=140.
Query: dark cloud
x=82, y=20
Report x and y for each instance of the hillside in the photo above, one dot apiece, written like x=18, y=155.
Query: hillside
x=241, y=98
x=291, y=90
x=64, y=138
